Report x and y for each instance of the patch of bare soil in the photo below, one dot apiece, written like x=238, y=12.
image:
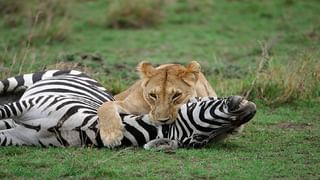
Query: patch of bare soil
x=294, y=126
x=70, y=66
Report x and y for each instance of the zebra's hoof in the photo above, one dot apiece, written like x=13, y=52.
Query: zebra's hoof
x=161, y=144
x=111, y=138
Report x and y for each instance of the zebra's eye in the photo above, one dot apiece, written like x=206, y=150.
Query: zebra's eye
x=153, y=96
x=176, y=96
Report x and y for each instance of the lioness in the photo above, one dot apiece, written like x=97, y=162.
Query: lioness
x=159, y=92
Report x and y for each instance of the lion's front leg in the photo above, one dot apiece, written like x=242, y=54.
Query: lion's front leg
x=110, y=124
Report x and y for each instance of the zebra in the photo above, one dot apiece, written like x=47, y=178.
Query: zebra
x=59, y=109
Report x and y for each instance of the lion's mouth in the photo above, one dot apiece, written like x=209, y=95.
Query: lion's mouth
x=243, y=109
x=161, y=121
x=164, y=120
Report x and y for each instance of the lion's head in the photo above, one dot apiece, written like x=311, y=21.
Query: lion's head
x=166, y=87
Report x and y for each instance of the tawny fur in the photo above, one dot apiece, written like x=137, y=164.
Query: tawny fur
x=159, y=92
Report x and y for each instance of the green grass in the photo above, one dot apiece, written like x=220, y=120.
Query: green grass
x=278, y=143
x=224, y=36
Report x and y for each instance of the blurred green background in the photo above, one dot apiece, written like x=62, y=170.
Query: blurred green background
x=269, y=48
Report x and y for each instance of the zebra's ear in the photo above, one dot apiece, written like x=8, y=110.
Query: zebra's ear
x=145, y=69
x=190, y=74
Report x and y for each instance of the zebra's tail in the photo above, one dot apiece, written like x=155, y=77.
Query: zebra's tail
x=18, y=84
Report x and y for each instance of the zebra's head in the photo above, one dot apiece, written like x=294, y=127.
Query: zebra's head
x=213, y=119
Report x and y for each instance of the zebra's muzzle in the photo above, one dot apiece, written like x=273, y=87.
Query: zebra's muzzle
x=243, y=109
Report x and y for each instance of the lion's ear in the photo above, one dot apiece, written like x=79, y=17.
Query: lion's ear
x=193, y=67
x=191, y=74
x=145, y=69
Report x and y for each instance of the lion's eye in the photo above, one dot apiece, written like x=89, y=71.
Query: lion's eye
x=176, y=96
x=153, y=96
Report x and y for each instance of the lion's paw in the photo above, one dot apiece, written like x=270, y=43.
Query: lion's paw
x=111, y=137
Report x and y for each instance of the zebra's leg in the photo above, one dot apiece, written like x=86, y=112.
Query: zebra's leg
x=17, y=108
x=10, y=137
x=21, y=135
x=7, y=124
x=110, y=123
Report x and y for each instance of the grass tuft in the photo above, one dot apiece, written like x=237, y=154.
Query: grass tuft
x=49, y=22
x=278, y=84
x=134, y=13
x=10, y=7
x=16, y=62
x=11, y=12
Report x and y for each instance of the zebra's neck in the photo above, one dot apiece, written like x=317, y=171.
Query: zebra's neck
x=162, y=131
x=140, y=130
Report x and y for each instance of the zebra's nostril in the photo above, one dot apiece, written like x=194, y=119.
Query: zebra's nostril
x=233, y=102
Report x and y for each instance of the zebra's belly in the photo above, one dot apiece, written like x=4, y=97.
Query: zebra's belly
x=67, y=138
x=54, y=122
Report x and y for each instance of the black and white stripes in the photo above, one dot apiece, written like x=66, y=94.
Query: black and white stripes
x=14, y=84
x=58, y=108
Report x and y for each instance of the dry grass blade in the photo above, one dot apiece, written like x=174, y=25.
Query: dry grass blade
x=264, y=59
